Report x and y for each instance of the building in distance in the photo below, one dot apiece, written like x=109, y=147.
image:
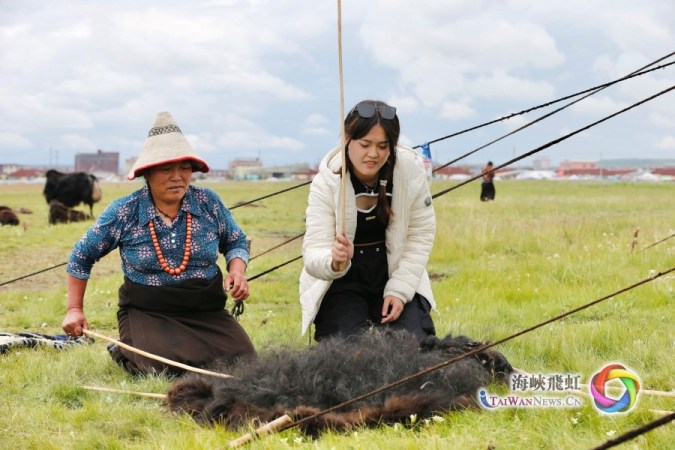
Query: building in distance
x=246, y=169
x=100, y=161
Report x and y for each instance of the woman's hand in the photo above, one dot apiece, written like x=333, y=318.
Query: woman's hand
x=75, y=322
x=391, y=309
x=341, y=253
x=235, y=283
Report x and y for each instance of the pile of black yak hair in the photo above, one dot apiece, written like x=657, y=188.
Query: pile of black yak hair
x=303, y=382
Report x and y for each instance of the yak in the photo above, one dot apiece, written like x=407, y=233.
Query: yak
x=71, y=189
x=60, y=213
x=303, y=382
x=8, y=216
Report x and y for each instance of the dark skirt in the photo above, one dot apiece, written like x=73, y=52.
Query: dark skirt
x=487, y=191
x=186, y=323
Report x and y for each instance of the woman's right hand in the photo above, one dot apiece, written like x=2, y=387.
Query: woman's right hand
x=75, y=322
x=341, y=253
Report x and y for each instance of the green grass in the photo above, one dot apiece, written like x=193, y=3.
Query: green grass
x=542, y=248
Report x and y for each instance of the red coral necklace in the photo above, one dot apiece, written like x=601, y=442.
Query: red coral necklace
x=186, y=253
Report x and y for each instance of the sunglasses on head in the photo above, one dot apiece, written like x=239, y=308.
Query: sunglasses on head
x=367, y=110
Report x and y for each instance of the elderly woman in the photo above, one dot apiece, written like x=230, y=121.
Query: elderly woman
x=375, y=275
x=169, y=234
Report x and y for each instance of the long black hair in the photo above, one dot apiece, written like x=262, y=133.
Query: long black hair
x=356, y=127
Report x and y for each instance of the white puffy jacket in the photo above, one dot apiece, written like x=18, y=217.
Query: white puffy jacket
x=409, y=237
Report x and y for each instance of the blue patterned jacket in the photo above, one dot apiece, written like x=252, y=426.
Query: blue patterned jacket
x=124, y=225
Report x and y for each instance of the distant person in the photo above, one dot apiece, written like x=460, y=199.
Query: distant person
x=375, y=274
x=487, y=189
x=169, y=234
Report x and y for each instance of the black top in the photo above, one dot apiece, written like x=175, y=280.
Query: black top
x=368, y=228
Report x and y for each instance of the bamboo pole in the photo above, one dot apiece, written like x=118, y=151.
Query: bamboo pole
x=156, y=357
x=269, y=427
x=121, y=391
x=343, y=183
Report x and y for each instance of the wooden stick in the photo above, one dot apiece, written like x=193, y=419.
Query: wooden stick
x=660, y=412
x=264, y=429
x=269, y=427
x=155, y=357
x=343, y=183
x=616, y=389
x=633, y=243
x=120, y=391
x=642, y=391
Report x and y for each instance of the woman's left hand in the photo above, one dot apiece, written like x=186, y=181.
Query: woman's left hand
x=236, y=285
x=391, y=309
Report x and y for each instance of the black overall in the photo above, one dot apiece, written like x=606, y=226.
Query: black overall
x=354, y=302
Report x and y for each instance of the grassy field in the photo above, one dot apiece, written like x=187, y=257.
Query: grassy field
x=542, y=248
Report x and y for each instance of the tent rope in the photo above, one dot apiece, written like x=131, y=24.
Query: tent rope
x=636, y=432
x=658, y=242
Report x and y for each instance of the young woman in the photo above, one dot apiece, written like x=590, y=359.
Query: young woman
x=169, y=234
x=375, y=274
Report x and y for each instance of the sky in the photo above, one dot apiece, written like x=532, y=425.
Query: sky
x=260, y=78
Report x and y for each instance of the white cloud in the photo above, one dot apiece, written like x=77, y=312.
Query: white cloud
x=502, y=85
x=14, y=141
x=315, y=131
x=456, y=111
x=45, y=113
x=241, y=134
x=75, y=142
x=201, y=143
x=405, y=104
x=667, y=143
x=515, y=122
x=405, y=140
x=638, y=87
x=636, y=27
x=458, y=53
x=598, y=106
x=14, y=30
x=316, y=119
x=663, y=119
x=245, y=141
x=618, y=66
x=81, y=31
x=314, y=125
